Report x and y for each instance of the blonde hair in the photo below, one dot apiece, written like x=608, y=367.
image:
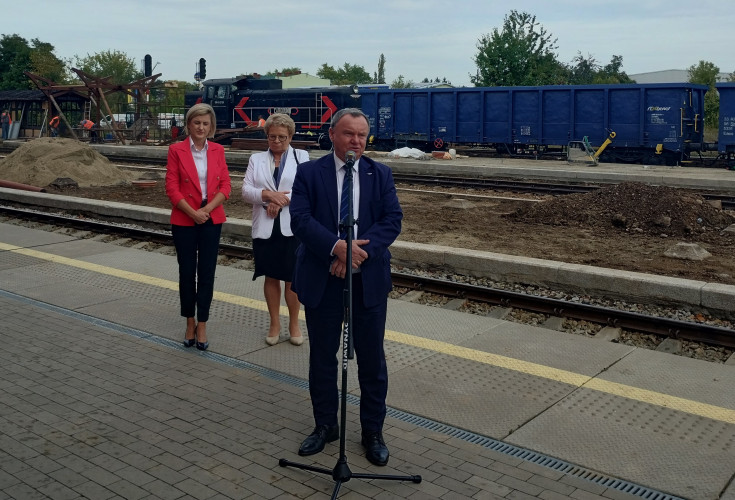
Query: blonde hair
x=280, y=120
x=200, y=110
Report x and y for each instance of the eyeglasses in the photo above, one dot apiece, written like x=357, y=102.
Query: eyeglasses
x=277, y=138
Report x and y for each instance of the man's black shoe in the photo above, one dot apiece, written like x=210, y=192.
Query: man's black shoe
x=322, y=435
x=375, y=449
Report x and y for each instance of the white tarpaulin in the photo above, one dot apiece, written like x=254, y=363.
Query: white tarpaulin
x=408, y=153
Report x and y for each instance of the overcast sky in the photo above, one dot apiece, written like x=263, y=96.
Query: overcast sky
x=419, y=38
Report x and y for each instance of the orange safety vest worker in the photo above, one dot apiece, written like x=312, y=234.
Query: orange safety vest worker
x=88, y=124
x=261, y=123
x=54, y=122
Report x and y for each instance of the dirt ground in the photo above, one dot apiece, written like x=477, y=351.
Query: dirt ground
x=629, y=226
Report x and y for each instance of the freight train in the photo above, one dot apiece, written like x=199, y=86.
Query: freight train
x=637, y=123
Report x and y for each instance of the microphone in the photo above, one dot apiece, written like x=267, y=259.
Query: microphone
x=350, y=159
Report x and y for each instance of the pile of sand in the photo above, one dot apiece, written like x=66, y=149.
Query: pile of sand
x=41, y=161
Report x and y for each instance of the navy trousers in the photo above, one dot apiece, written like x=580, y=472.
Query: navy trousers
x=196, y=252
x=325, y=334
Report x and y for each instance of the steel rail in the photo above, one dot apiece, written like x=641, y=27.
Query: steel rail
x=499, y=184
x=726, y=199
x=668, y=327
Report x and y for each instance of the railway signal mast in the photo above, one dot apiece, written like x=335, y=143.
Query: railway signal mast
x=201, y=71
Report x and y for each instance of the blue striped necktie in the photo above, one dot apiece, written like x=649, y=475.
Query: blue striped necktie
x=343, y=204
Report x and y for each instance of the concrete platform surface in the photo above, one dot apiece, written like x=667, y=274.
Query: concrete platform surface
x=100, y=400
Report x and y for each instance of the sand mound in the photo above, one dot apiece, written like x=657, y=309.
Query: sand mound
x=41, y=161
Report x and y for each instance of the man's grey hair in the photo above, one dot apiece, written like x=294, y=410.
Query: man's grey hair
x=355, y=112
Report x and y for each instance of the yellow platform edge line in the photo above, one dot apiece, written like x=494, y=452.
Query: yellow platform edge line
x=567, y=377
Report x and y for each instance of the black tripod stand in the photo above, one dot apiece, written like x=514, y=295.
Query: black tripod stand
x=341, y=472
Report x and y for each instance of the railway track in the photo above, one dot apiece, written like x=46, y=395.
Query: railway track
x=726, y=201
x=239, y=165
x=606, y=316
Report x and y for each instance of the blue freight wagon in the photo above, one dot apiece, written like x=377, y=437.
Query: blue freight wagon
x=726, y=137
x=652, y=123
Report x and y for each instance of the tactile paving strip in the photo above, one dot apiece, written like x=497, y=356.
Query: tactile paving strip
x=717, y=435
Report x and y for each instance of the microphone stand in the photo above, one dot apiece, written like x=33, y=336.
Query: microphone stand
x=341, y=472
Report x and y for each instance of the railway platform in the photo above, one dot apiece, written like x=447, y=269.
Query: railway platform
x=100, y=399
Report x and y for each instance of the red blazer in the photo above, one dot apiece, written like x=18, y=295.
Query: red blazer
x=182, y=181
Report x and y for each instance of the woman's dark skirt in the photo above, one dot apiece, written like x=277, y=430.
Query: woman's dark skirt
x=275, y=257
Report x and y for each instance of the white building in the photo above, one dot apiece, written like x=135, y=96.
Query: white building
x=670, y=76
x=303, y=80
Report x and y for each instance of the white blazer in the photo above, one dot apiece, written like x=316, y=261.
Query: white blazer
x=259, y=177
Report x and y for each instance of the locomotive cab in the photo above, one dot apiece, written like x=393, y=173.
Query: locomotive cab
x=221, y=93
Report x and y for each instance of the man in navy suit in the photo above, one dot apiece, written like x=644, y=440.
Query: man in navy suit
x=319, y=278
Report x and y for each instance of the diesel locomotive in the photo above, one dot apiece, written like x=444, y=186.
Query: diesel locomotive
x=238, y=103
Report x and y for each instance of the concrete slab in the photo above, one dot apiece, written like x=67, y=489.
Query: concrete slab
x=499, y=396
x=637, y=434
x=23, y=237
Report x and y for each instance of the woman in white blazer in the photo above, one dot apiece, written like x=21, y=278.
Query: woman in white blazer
x=267, y=186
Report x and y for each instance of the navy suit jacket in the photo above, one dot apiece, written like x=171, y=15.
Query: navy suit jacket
x=315, y=221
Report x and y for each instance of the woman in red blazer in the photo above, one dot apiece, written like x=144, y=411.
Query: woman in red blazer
x=197, y=183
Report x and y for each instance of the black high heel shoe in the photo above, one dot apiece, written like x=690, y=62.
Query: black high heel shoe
x=202, y=346
x=190, y=342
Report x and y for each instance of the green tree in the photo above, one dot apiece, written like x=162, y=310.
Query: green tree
x=436, y=80
x=15, y=58
x=612, y=72
x=114, y=64
x=402, y=83
x=174, y=91
x=328, y=72
x=380, y=74
x=284, y=72
x=585, y=71
x=346, y=75
x=110, y=63
x=18, y=56
x=705, y=73
x=45, y=63
x=522, y=53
